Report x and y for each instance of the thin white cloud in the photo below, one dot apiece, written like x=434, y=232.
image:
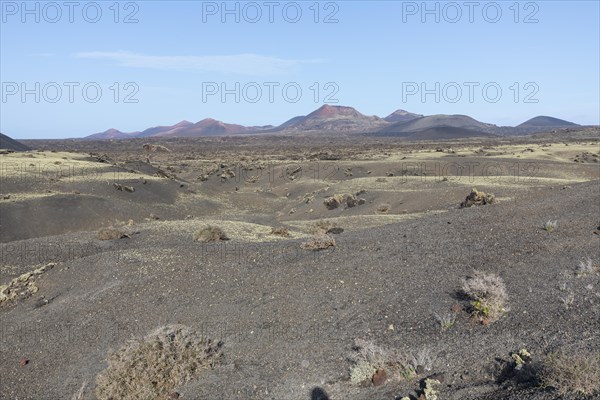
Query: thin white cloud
x=244, y=64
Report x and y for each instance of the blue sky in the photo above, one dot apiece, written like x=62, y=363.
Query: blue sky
x=172, y=60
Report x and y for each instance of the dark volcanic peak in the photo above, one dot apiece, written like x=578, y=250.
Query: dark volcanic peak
x=8, y=143
x=438, y=127
x=543, y=121
x=334, y=118
x=328, y=111
x=401, y=116
x=292, y=121
x=440, y=120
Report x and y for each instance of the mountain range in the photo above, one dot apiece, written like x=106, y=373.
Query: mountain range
x=342, y=119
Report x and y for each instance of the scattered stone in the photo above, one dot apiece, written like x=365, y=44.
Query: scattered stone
x=293, y=173
x=335, y=230
x=351, y=201
x=41, y=303
x=228, y=174
x=122, y=188
x=23, y=361
x=155, y=148
x=335, y=201
x=22, y=286
x=379, y=378
x=440, y=377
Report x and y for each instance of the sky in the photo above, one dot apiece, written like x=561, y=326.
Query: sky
x=71, y=69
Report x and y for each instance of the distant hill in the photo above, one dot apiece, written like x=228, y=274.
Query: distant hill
x=329, y=119
x=401, y=116
x=438, y=127
x=545, y=122
x=159, y=130
x=333, y=118
x=111, y=134
x=8, y=143
x=206, y=127
x=326, y=119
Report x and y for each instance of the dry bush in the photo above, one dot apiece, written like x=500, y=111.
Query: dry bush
x=383, y=208
x=319, y=242
x=210, y=233
x=334, y=201
x=80, y=393
x=587, y=267
x=488, y=295
x=153, y=148
x=445, y=321
x=152, y=367
x=477, y=198
x=281, y=231
x=111, y=233
x=369, y=358
x=550, y=226
x=346, y=200
x=322, y=227
x=572, y=373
